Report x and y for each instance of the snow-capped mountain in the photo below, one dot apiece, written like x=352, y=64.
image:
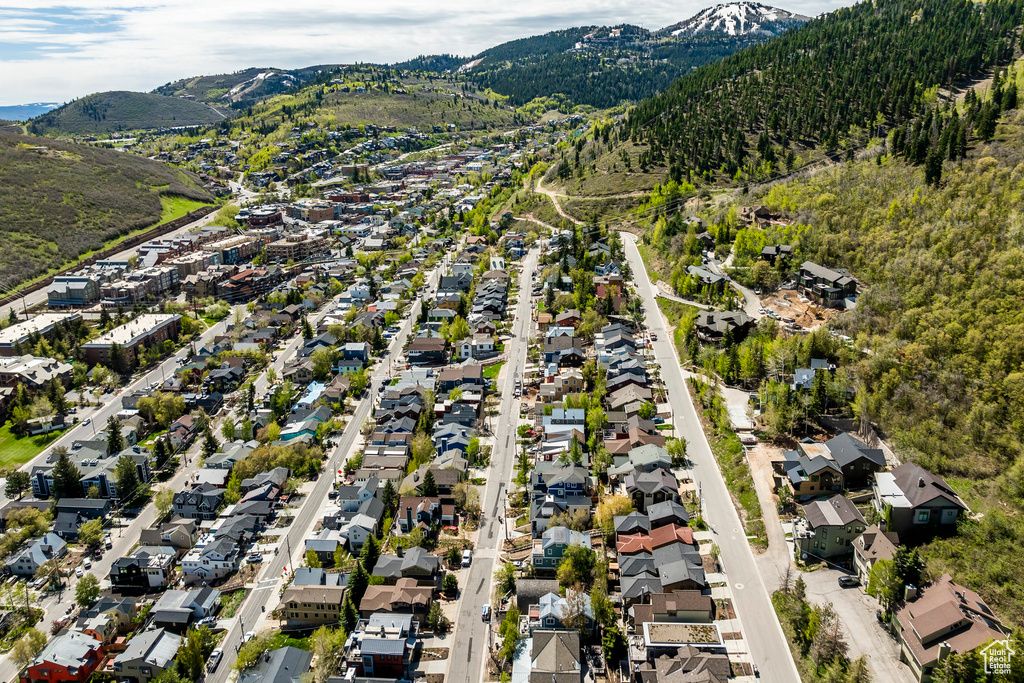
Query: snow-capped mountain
x=737, y=19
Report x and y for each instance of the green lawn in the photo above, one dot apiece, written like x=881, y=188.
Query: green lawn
x=491, y=371
x=176, y=206
x=230, y=602
x=151, y=439
x=15, y=450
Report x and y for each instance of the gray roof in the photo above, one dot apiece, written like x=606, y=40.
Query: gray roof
x=667, y=510
x=68, y=649
x=627, y=524
x=283, y=665
x=834, y=511
x=156, y=648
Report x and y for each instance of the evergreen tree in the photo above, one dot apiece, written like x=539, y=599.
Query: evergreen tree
x=389, y=497
x=66, y=477
x=210, y=444
x=357, y=583
x=127, y=477
x=119, y=362
x=370, y=553
x=349, y=615
x=115, y=442
x=307, y=329
x=429, y=486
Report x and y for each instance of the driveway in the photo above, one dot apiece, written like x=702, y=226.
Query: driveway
x=865, y=636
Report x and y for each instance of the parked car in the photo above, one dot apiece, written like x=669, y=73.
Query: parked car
x=87, y=420
x=467, y=557
x=79, y=572
x=208, y=621
x=249, y=635
x=214, y=660
x=848, y=581
x=486, y=614
x=87, y=563
x=254, y=558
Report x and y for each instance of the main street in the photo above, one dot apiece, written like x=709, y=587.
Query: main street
x=470, y=644
x=761, y=629
x=262, y=596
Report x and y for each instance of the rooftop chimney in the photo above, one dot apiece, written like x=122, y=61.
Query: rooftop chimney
x=920, y=482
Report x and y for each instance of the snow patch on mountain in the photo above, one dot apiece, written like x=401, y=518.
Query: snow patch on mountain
x=738, y=19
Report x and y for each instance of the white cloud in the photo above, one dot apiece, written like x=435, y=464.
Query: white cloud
x=62, y=49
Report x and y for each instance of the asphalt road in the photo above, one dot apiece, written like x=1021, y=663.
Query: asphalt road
x=469, y=644
x=761, y=630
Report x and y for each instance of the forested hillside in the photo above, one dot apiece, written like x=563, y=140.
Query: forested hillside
x=60, y=200
x=833, y=84
x=943, y=320
x=110, y=112
x=609, y=66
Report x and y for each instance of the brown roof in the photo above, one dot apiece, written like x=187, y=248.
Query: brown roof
x=427, y=344
x=875, y=544
x=403, y=594
x=671, y=533
x=685, y=601
x=946, y=612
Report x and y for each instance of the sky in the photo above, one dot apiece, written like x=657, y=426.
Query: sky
x=57, y=50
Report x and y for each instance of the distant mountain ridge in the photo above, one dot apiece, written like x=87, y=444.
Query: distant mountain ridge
x=24, y=112
x=121, y=110
x=737, y=19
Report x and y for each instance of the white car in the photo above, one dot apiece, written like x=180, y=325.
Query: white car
x=467, y=557
x=79, y=572
x=249, y=635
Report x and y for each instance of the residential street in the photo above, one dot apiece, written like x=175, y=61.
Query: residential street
x=264, y=595
x=469, y=642
x=769, y=649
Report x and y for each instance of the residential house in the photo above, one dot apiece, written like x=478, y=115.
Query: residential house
x=549, y=549
x=713, y=326
x=310, y=606
x=35, y=553
x=284, y=665
x=415, y=563
x=148, y=654
x=405, y=597
x=943, y=618
x=647, y=488
x=825, y=286
x=70, y=657
x=870, y=547
x=382, y=648
x=176, y=609
x=916, y=502
x=145, y=568
x=828, y=528
x=199, y=502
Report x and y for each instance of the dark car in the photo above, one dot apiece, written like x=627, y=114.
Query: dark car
x=848, y=581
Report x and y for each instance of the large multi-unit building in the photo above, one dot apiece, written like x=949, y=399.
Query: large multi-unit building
x=298, y=247
x=144, y=331
x=193, y=263
x=42, y=325
x=140, y=285
x=68, y=291
x=236, y=249
x=32, y=371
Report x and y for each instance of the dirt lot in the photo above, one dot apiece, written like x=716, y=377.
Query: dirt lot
x=787, y=304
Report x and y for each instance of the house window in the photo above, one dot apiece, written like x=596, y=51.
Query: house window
x=814, y=477
x=824, y=534
x=922, y=516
